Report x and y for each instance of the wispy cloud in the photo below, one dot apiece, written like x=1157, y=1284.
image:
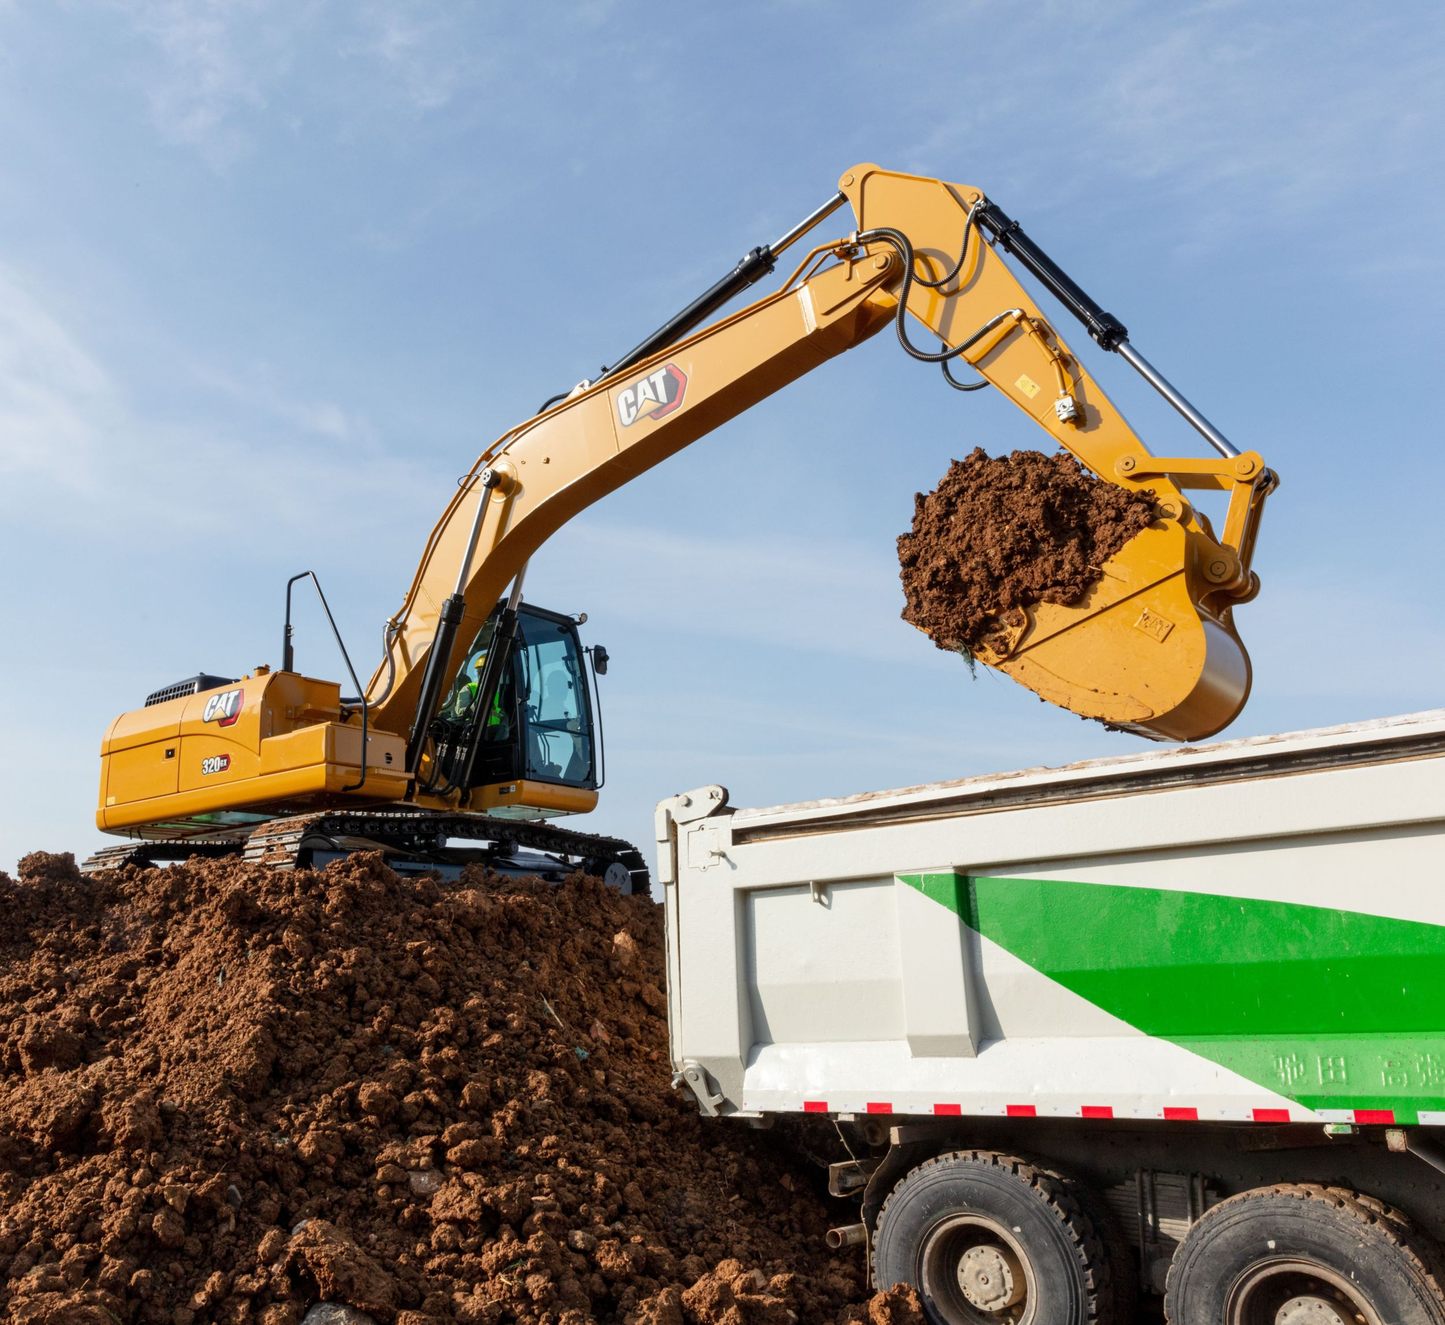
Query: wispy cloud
x=1217, y=110
x=55, y=399
x=258, y=390
x=420, y=47
x=1248, y=115
x=71, y=441
x=217, y=60
x=223, y=66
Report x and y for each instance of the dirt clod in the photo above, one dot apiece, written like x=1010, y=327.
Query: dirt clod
x=322, y=1255
x=1001, y=533
x=407, y=1100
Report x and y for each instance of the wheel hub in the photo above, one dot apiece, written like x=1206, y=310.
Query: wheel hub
x=1309, y=1309
x=1289, y=1291
x=992, y=1280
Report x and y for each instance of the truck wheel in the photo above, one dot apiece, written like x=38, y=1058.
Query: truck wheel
x=1301, y=1254
x=988, y=1239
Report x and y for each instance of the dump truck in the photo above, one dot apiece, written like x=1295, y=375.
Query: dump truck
x=1172, y=1020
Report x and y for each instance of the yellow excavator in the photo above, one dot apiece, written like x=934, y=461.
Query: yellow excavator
x=479, y=726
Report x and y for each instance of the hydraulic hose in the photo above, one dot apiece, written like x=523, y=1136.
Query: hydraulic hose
x=904, y=246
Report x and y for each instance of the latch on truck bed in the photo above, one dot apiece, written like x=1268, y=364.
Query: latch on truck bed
x=695, y=1077
x=685, y=808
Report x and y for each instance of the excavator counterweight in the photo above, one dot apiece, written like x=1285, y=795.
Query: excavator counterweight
x=465, y=716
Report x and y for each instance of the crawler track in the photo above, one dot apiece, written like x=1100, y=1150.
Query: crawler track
x=411, y=839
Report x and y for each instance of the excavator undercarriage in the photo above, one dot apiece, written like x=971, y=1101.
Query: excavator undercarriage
x=413, y=842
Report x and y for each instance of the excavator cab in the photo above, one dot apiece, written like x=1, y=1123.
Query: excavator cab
x=537, y=742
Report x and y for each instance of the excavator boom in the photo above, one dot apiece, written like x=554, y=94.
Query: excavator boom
x=1151, y=647
x=1185, y=676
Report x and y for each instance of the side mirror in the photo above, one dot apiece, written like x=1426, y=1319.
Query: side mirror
x=599, y=660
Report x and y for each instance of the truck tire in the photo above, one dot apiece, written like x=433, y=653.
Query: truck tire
x=989, y=1239
x=1302, y=1254
x=1119, y=1251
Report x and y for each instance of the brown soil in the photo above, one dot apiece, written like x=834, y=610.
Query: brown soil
x=228, y=1093
x=1000, y=534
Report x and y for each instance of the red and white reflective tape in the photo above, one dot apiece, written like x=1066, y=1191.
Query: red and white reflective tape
x=1167, y=1112
x=1367, y=1116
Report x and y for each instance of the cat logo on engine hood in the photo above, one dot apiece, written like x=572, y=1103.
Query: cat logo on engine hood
x=223, y=709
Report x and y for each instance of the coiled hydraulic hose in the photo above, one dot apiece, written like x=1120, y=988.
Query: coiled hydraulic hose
x=904, y=246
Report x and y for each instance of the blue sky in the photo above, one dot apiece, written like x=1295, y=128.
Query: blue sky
x=272, y=274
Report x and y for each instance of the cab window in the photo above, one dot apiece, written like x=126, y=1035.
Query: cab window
x=556, y=717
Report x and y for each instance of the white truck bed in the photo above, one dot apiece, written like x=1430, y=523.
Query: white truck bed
x=1213, y=932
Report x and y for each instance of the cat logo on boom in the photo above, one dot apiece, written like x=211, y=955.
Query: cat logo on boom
x=653, y=396
x=225, y=708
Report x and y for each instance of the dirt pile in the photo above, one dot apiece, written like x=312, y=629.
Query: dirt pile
x=228, y=1094
x=1000, y=534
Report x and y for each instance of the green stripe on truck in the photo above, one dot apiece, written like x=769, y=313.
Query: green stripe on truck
x=1335, y=1009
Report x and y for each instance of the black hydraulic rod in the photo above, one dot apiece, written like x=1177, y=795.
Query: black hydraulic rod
x=435, y=677
x=1104, y=327
x=750, y=269
x=448, y=623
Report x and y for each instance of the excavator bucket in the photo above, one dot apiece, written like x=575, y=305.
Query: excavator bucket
x=1147, y=649
x=1151, y=647
x=1103, y=598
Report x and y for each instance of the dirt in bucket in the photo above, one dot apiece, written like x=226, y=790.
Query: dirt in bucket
x=1000, y=533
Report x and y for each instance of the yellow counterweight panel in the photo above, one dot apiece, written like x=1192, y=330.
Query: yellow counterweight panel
x=251, y=746
x=139, y=773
